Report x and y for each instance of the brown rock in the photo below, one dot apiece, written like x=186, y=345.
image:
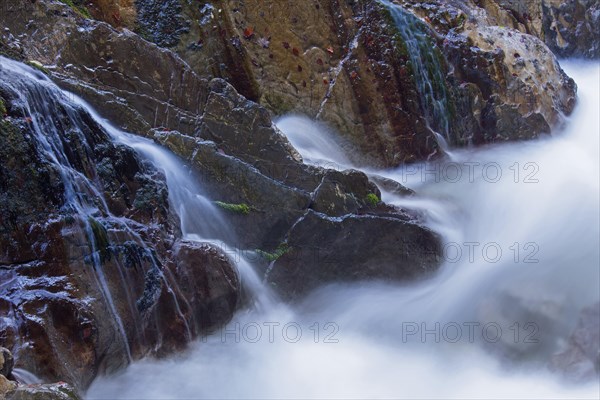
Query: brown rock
x=6, y=362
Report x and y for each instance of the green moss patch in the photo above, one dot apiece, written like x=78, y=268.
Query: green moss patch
x=372, y=199
x=78, y=8
x=274, y=256
x=242, y=208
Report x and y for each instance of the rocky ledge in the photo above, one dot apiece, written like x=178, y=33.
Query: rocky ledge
x=355, y=64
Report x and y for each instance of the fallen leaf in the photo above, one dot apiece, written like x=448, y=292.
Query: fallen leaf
x=325, y=81
x=330, y=50
x=299, y=68
x=248, y=32
x=353, y=75
x=296, y=52
x=319, y=61
x=286, y=45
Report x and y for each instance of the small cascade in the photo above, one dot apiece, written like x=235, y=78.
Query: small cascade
x=201, y=220
x=427, y=68
x=41, y=102
x=56, y=121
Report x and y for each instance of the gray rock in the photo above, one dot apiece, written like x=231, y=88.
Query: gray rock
x=325, y=250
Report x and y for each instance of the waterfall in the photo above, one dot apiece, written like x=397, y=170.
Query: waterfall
x=427, y=67
x=41, y=101
x=200, y=219
x=389, y=340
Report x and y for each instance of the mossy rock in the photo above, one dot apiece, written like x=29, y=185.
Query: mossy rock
x=372, y=200
x=39, y=66
x=102, y=243
x=78, y=8
x=280, y=251
x=242, y=208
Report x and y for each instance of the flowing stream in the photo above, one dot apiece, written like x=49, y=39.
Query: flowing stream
x=521, y=227
x=520, y=223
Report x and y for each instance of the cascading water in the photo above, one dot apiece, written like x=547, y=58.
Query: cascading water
x=42, y=103
x=535, y=202
x=201, y=220
x=39, y=99
x=426, y=64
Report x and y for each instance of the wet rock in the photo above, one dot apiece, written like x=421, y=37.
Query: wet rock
x=56, y=391
x=345, y=192
x=570, y=28
x=512, y=84
x=6, y=362
x=351, y=69
x=580, y=360
x=391, y=186
x=6, y=385
x=208, y=280
x=160, y=21
x=71, y=280
x=325, y=250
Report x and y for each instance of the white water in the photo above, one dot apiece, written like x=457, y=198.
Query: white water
x=372, y=353
x=39, y=98
x=201, y=220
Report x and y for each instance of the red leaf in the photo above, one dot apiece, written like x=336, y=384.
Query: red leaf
x=286, y=45
x=248, y=32
x=319, y=61
x=325, y=81
x=353, y=75
x=296, y=52
x=330, y=50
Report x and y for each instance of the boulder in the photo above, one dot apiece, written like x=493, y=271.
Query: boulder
x=6, y=362
x=570, y=28
x=323, y=250
x=6, y=385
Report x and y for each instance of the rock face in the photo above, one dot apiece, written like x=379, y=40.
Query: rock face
x=90, y=255
x=353, y=65
x=96, y=276
x=570, y=28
